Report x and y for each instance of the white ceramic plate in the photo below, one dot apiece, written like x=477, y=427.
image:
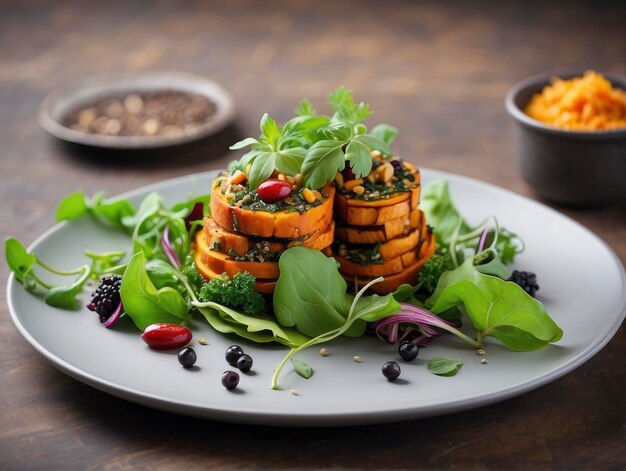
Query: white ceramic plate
x=582, y=287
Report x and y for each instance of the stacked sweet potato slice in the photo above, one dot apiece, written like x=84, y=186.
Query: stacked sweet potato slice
x=380, y=229
x=241, y=237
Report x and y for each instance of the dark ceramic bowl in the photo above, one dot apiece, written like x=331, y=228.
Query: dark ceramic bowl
x=570, y=167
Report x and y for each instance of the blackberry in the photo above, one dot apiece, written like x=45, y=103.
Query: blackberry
x=106, y=298
x=526, y=280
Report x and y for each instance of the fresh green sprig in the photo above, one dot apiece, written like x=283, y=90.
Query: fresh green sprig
x=317, y=146
x=22, y=263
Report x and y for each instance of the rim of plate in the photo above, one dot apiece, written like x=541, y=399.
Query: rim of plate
x=252, y=415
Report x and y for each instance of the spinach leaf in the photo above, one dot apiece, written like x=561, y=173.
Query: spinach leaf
x=444, y=367
x=496, y=308
x=312, y=303
x=302, y=368
x=114, y=212
x=260, y=328
x=144, y=303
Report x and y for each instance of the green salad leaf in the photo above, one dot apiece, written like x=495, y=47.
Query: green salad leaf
x=112, y=212
x=144, y=303
x=444, y=367
x=497, y=308
x=302, y=368
x=261, y=328
x=441, y=212
x=313, y=304
x=19, y=260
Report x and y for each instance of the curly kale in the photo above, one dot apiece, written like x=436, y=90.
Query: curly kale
x=194, y=278
x=237, y=292
x=433, y=269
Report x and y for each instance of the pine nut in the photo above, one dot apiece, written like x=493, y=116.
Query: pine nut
x=339, y=179
x=238, y=177
x=359, y=190
x=352, y=183
x=308, y=195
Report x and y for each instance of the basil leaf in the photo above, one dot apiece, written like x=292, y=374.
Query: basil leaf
x=323, y=160
x=360, y=159
x=313, y=304
x=385, y=133
x=269, y=129
x=262, y=167
x=290, y=161
x=19, y=260
x=302, y=368
x=72, y=206
x=261, y=328
x=144, y=303
x=248, y=141
x=304, y=108
x=444, y=367
x=373, y=142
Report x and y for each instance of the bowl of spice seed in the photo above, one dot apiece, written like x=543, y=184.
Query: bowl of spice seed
x=137, y=110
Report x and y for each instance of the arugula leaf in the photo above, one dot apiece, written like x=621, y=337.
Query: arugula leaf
x=323, y=160
x=19, y=260
x=385, y=133
x=144, y=303
x=496, y=308
x=441, y=212
x=444, y=367
x=64, y=297
x=74, y=205
x=302, y=368
x=102, y=262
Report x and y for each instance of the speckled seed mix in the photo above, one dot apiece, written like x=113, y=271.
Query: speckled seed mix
x=159, y=113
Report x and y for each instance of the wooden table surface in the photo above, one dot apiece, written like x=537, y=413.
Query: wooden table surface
x=437, y=70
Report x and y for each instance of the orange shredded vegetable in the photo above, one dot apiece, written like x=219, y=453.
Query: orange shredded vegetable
x=587, y=103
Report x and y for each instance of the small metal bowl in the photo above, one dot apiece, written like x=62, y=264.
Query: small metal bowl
x=58, y=104
x=576, y=168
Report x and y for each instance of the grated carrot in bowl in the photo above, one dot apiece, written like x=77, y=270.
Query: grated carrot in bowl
x=587, y=103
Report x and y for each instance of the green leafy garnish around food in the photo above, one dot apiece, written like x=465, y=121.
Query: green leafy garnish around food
x=317, y=146
x=497, y=308
x=300, y=296
x=23, y=264
x=117, y=213
x=444, y=367
x=144, y=303
x=237, y=292
x=302, y=368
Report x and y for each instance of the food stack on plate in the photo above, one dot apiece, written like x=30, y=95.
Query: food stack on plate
x=380, y=229
x=250, y=228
